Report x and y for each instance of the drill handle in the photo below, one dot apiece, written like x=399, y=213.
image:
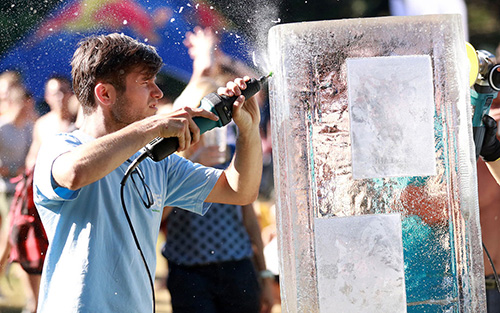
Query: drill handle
x=159, y=148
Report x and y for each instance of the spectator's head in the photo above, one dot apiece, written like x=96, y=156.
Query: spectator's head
x=7, y=80
x=19, y=101
x=109, y=59
x=58, y=92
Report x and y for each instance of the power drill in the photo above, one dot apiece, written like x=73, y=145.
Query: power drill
x=222, y=106
x=485, y=83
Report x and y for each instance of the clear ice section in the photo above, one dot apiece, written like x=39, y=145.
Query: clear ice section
x=367, y=250
x=372, y=117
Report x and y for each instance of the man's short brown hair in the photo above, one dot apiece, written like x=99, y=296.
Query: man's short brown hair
x=108, y=59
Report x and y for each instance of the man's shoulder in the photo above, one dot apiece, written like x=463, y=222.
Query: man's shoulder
x=54, y=144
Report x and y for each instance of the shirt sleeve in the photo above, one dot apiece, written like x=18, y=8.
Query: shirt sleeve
x=188, y=184
x=44, y=186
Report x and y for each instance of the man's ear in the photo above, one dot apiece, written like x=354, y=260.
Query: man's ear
x=105, y=93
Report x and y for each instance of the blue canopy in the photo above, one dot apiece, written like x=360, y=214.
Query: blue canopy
x=47, y=50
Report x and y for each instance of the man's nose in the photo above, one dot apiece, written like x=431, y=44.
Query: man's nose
x=157, y=93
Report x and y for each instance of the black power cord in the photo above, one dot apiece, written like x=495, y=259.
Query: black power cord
x=129, y=171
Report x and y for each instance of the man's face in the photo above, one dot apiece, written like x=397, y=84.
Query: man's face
x=139, y=99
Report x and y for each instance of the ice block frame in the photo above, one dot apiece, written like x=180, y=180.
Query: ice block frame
x=371, y=121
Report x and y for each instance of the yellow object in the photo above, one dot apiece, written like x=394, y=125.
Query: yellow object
x=474, y=63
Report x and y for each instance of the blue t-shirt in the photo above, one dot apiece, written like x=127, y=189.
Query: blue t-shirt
x=92, y=264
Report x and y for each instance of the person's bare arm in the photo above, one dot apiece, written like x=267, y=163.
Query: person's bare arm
x=166, y=212
x=239, y=183
x=92, y=161
x=254, y=232
x=494, y=168
x=201, y=44
x=35, y=145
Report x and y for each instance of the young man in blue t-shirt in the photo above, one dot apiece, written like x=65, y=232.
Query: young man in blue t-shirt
x=93, y=264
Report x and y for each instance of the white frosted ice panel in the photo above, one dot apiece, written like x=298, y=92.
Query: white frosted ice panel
x=360, y=264
x=391, y=103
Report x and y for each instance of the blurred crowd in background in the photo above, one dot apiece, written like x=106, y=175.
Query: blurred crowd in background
x=248, y=233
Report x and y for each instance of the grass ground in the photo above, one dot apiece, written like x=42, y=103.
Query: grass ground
x=12, y=298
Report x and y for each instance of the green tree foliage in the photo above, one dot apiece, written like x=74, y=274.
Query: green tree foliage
x=484, y=23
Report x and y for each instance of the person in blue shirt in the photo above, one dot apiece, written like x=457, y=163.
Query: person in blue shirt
x=93, y=264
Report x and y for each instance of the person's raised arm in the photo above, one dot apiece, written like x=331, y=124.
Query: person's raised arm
x=253, y=229
x=239, y=184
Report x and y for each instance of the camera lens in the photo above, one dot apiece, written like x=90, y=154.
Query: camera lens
x=494, y=78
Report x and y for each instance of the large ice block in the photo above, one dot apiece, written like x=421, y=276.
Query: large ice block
x=372, y=117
